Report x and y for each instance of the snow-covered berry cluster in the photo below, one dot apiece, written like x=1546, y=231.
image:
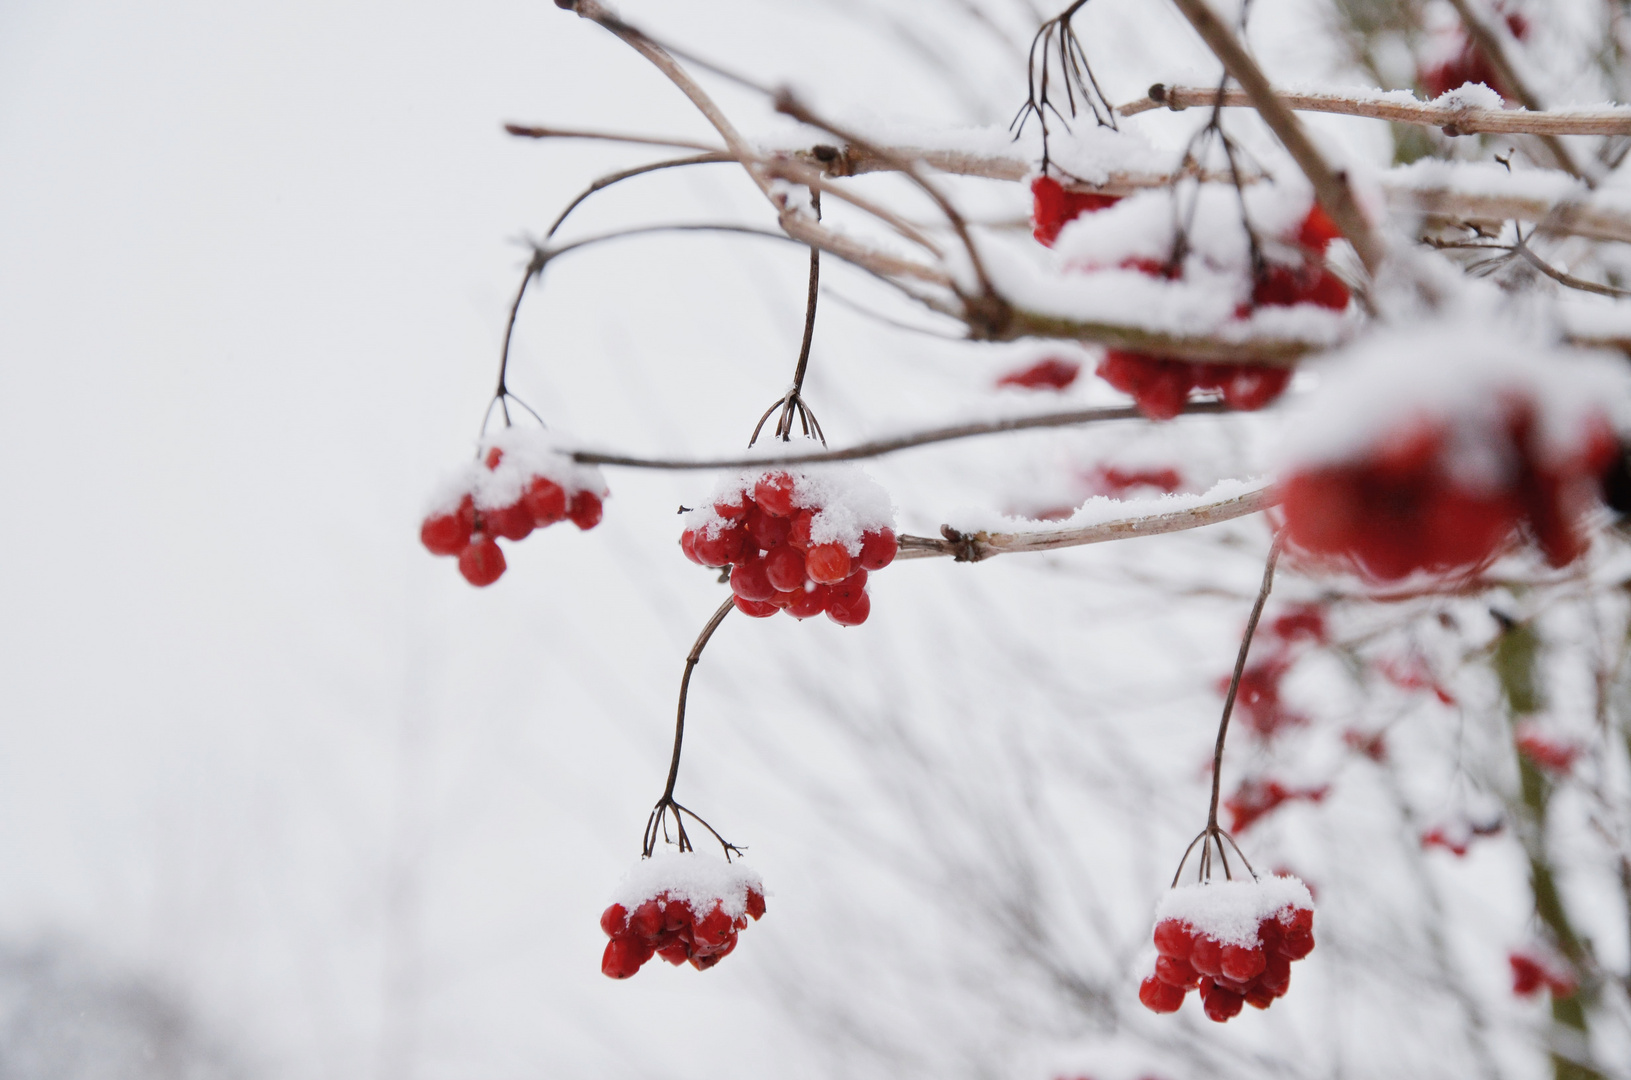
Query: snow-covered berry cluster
x=524, y=481
x=1460, y=61
x=1053, y=207
x=681, y=907
x=799, y=541
x=1160, y=386
x=1416, y=466
x=1235, y=940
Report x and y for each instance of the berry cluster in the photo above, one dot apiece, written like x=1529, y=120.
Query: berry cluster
x=1254, y=798
x=1440, y=495
x=522, y=482
x=1470, y=64
x=1234, y=940
x=1052, y=207
x=695, y=917
x=1051, y=373
x=799, y=542
x=1160, y=386
x=1533, y=972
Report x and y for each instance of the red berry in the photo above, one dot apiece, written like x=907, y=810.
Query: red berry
x=757, y=609
x=1158, y=387
x=809, y=601
x=784, y=566
x=827, y=564
x=1317, y=230
x=494, y=456
x=1173, y=938
x=446, y=534
x=1242, y=963
x=767, y=530
x=510, y=522
x=756, y=904
x=546, y=500
x=1053, y=207
x=850, y=613
x=749, y=581
x=624, y=956
x=774, y=494
x=798, y=532
x=1276, y=971
x=878, y=549
x=1249, y=387
x=733, y=507
x=1159, y=997
x=675, y=954
x=647, y=920
x=1259, y=996
x=614, y=919
x=482, y=563
x=713, y=929
x=724, y=547
x=1175, y=972
x=585, y=510
x=1221, y=1004
x=1207, y=956
x=688, y=545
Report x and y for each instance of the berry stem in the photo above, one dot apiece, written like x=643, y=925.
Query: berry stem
x=1212, y=829
x=691, y=661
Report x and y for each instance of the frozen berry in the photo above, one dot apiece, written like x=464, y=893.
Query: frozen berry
x=1242, y=963
x=809, y=601
x=827, y=564
x=510, y=522
x=446, y=534
x=798, y=531
x=1172, y=938
x=851, y=612
x=732, y=508
x=724, y=547
x=774, y=494
x=1175, y=972
x=748, y=580
x=766, y=529
x=1158, y=996
x=624, y=956
x=614, y=919
x=546, y=500
x=585, y=510
x=1221, y=1004
x=757, y=609
x=878, y=549
x=1050, y=374
x=784, y=566
x=481, y=563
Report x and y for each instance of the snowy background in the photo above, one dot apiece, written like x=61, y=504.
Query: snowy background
x=281, y=788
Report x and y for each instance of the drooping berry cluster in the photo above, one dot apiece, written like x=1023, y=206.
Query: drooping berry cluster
x=683, y=908
x=1160, y=386
x=1446, y=493
x=1052, y=207
x=524, y=481
x=800, y=541
x=1234, y=940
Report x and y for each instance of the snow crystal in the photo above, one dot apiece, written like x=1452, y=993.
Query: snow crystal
x=847, y=501
x=528, y=452
x=1463, y=371
x=1101, y=509
x=699, y=880
x=1230, y=911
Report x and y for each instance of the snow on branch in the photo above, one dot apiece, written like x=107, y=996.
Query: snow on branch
x=1457, y=112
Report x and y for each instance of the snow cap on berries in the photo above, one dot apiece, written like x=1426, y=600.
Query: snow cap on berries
x=847, y=502
x=525, y=453
x=1467, y=372
x=1231, y=911
x=701, y=881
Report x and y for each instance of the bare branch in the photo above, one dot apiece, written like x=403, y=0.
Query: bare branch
x=1455, y=120
x=1569, y=280
x=528, y=132
x=982, y=545
x=880, y=447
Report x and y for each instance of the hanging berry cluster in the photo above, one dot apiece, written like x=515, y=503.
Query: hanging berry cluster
x=681, y=907
x=800, y=541
x=522, y=482
x=1517, y=445
x=1234, y=940
x=1286, y=273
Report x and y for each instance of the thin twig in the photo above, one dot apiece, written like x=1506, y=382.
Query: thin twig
x=1562, y=278
x=710, y=158
x=1234, y=679
x=526, y=131
x=1456, y=119
x=880, y=447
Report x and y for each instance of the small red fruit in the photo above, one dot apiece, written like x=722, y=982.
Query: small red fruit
x=756, y=904
x=798, y=533
x=774, y=494
x=624, y=956
x=1175, y=972
x=850, y=613
x=878, y=549
x=1158, y=996
x=1173, y=938
x=750, y=582
x=726, y=546
x=585, y=510
x=827, y=564
x=1242, y=963
x=546, y=500
x=766, y=529
x=1220, y=1004
x=1050, y=374
x=614, y=919
x=446, y=534
x=510, y=522
x=756, y=609
x=809, y=601
x=784, y=566
x=481, y=563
